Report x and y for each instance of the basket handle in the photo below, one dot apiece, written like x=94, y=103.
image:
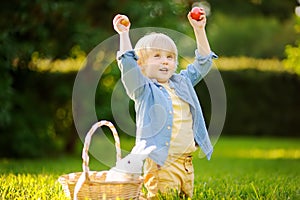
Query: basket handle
x=88, y=137
x=85, y=157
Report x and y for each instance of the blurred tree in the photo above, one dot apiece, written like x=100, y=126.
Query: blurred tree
x=36, y=111
x=255, y=36
x=279, y=9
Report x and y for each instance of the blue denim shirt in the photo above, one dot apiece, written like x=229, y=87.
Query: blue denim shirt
x=153, y=104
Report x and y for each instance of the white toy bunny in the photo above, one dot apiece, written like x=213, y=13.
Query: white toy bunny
x=130, y=167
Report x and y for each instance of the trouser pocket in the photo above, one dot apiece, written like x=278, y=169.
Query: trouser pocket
x=188, y=164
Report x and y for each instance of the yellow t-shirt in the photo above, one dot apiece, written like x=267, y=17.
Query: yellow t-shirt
x=182, y=139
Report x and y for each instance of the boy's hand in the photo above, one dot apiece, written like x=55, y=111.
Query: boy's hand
x=198, y=24
x=121, y=23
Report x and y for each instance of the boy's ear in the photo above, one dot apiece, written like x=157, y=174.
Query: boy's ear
x=140, y=64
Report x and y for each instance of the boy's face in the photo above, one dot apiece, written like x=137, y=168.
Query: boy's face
x=159, y=65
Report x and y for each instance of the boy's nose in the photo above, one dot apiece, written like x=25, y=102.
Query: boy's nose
x=165, y=60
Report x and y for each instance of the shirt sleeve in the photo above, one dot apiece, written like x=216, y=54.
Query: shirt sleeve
x=131, y=75
x=199, y=68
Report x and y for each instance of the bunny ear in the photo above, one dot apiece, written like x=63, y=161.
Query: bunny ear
x=139, y=147
x=145, y=153
x=149, y=149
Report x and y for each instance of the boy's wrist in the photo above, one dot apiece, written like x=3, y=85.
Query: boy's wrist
x=124, y=33
x=199, y=29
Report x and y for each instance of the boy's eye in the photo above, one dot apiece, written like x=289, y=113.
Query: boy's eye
x=156, y=55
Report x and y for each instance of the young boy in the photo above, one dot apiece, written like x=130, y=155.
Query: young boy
x=168, y=113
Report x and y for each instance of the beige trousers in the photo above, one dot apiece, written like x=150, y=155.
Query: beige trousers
x=177, y=174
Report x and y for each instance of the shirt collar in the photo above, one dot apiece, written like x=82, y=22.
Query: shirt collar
x=171, y=81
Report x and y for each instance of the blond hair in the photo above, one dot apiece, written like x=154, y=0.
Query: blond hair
x=154, y=41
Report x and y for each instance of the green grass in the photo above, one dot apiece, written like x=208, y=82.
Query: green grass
x=241, y=168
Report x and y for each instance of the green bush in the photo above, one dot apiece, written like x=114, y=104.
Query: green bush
x=259, y=103
x=36, y=128
x=292, y=61
x=6, y=54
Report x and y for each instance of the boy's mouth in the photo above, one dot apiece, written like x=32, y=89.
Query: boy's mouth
x=164, y=69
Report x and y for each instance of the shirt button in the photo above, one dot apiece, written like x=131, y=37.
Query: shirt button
x=169, y=127
x=160, y=88
x=170, y=112
x=167, y=143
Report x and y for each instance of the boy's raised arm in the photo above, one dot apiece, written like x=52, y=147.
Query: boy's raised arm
x=121, y=25
x=200, y=34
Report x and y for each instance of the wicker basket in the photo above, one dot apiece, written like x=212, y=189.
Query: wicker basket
x=91, y=184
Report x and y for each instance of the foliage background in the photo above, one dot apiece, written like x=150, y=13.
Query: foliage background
x=36, y=114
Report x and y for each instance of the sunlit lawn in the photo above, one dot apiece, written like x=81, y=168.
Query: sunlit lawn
x=250, y=169
x=241, y=168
